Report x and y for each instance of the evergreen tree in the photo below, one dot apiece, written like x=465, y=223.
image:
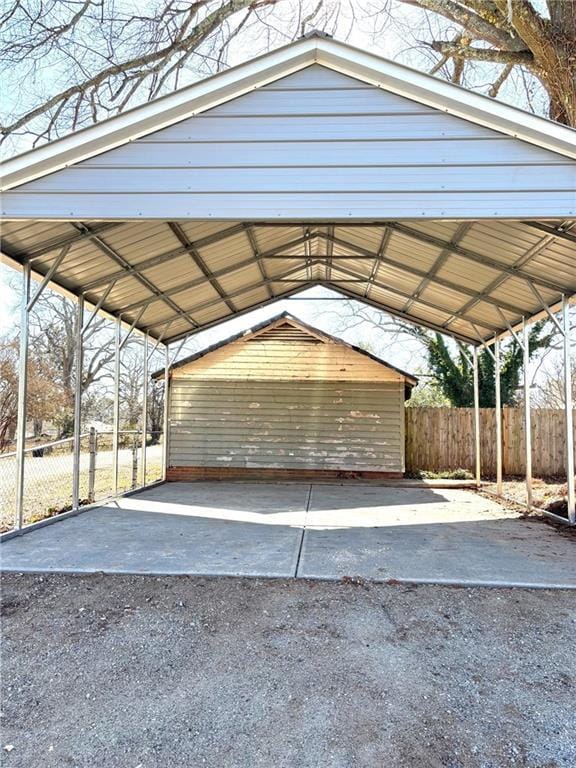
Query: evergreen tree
x=454, y=374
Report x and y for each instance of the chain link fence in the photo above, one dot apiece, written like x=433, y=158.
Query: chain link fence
x=48, y=471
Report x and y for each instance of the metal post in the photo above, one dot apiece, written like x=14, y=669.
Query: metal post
x=22, y=393
x=498, y=404
x=77, y=405
x=135, y=461
x=569, y=414
x=165, y=414
x=476, y=418
x=116, y=407
x=144, y=409
x=527, y=417
x=92, y=465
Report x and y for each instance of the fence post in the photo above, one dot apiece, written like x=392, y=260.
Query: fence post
x=92, y=464
x=134, y=462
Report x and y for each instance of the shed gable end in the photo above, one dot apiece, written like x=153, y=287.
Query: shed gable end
x=287, y=351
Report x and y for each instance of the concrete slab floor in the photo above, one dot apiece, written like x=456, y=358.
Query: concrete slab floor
x=430, y=536
x=292, y=529
x=247, y=529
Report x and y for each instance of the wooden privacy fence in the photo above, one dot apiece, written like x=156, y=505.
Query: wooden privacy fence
x=440, y=439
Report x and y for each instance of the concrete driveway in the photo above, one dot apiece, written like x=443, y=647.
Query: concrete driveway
x=424, y=535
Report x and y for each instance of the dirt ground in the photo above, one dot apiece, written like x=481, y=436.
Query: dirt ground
x=140, y=672
x=544, y=490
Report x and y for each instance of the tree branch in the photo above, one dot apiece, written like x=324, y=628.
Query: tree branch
x=472, y=22
x=140, y=66
x=458, y=51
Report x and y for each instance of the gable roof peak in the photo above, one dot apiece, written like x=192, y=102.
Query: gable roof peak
x=316, y=33
x=278, y=319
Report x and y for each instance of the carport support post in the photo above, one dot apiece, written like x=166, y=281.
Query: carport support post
x=22, y=393
x=568, y=414
x=77, y=404
x=527, y=417
x=476, y=417
x=498, y=404
x=144, y=408
x=116, y=411
x=165, y=413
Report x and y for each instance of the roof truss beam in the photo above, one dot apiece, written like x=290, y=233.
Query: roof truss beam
x=435, y=280
x=423, y=302
x=178, y=232
x=240, y=313
x=155, y=261
x=236, y=294
x=217, y=273
x=115, y=256
x=439, y=263
x=531, y=253
x=466, y=253
x=257, y=257
x=383, y=307
x=56, y=243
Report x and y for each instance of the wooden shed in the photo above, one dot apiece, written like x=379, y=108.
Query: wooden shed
x=285, y=400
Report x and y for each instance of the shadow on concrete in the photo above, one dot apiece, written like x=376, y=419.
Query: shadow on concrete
x=320, y=532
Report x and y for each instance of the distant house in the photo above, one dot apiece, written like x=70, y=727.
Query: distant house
x=289, y=401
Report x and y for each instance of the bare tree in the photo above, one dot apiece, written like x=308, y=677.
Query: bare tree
x=538, y=37
x=44, y=400
x=104, y=56
x=550, y=393
x=69, y=63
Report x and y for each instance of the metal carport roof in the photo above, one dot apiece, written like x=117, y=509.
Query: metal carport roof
x=474, y=278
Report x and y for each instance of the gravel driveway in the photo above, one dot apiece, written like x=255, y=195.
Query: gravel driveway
x=178, y=672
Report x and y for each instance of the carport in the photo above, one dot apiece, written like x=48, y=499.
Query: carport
x=315, y=165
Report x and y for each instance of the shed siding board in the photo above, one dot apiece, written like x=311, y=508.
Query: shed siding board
x=269, y=360
x=339, y=148
x=336, y=425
